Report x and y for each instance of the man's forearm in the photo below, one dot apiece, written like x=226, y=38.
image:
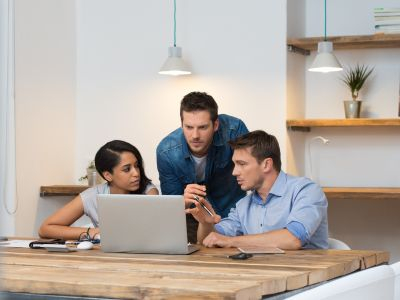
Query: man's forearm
x=281, y=238
x=203, y=230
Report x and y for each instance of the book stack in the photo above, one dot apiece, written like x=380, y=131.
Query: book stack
x=387, y=20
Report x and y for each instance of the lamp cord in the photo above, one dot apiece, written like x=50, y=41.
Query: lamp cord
x=324, y=141
x=10, y=96
x=310, y=160
x=175, y=23
x=325, y=22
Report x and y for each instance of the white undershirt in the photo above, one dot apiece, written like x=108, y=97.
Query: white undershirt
x=200, y=167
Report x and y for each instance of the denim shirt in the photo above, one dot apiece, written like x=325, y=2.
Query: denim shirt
x=176, y=167
x=291, y=200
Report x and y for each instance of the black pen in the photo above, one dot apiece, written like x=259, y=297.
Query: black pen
x=203, y=206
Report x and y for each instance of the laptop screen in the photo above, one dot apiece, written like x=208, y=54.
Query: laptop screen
x=142, y=223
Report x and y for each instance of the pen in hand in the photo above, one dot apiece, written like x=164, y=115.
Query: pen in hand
x=203, y=206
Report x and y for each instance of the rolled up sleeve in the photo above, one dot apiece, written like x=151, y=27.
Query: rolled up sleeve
x=309, y=208
x=298, y=230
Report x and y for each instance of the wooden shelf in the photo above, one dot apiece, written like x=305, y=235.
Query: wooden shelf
x=306, y=124
x=353, y=193
x=347, y=42
x=345, y=193
x=62, y=190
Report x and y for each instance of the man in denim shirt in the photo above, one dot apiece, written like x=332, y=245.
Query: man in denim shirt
x=196, y=160
x=282, y=211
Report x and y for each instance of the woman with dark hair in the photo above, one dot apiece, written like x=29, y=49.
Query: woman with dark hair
x=121, y=165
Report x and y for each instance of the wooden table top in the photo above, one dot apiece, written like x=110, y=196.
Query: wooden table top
x=207, y=273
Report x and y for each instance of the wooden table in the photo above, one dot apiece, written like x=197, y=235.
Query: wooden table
x=207, y=273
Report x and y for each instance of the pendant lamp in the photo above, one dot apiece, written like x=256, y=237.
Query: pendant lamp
x=175, y=65
x=325, y=61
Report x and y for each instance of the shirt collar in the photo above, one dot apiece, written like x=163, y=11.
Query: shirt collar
x=279, y=186
x=185, y=147
x=277, y=189
x=218, y=139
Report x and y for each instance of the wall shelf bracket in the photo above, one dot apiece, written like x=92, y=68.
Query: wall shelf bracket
x=299, y=128
x=295, y=49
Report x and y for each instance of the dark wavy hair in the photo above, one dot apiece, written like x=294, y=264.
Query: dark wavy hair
x=262, y=144
x=199, y=101
x=109, y=156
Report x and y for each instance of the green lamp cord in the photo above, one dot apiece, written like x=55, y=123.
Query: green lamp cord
x=325, y=22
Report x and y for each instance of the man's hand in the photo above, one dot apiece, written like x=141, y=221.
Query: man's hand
x=217, y=240
x=201, y=214
x=191, y=191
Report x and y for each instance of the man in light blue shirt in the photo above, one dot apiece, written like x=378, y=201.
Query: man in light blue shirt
x=281, y=211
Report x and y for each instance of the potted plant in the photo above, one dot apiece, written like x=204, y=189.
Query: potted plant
x=91, y=176
x=355, y=78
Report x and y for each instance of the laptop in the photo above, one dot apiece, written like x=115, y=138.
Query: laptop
x=143, y=224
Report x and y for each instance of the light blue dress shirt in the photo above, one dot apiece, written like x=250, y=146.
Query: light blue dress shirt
x=295, y=203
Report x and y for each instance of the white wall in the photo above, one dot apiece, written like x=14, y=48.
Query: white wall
x=355, y=157
x=295, y=87
x=7, y=121
x=45, y=103
x=344, y=17
x=380, y=95
x=325, y=94
x=87, y=74
x=236, y=53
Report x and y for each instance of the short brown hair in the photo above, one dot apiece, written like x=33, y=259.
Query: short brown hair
x=199, y=101
x=262, y=144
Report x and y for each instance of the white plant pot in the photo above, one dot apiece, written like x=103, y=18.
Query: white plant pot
x=93, y=177
x=352, y=108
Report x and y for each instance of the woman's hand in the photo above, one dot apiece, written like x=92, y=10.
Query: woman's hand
x=94, y=233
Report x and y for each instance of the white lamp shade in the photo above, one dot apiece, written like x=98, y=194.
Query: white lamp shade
x=175, y=65
x=325, y=61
